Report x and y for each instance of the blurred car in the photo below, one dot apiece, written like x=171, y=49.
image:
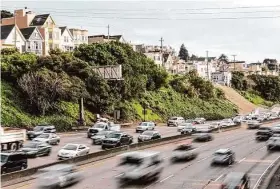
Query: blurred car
x=97, y=139
x=116, y=139
x=253, y=124
x=273, y=142
x=205, y=128
x=149, y=135
x=49, y=138
x=223, y=156
x=58, y=176
x=13, y=161
x=273, y=116
x=175, y=121
x=40, y=129
x=215, y=125
x=140, y=167
x=183, y=125
x=190, y=121
x=226, y=123
x=238, y=119
x=184, y=152
x=203, y=137
x=188, y=130
x=200, y=120
x=145, y=126
x=264, y=133
x=72, y=150
x=236, y=180
x=261, y=118
x=34, y=149
x=276, y=128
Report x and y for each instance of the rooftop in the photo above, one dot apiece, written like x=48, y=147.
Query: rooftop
x=27, y=32
x=39, y=20
x=6, y=30
x=222, y=151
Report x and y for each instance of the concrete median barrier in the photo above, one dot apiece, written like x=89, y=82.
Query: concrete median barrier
x=24, y=175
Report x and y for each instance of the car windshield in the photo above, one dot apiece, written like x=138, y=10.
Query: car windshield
x=30, y=145
x=149, y=133
x=143, y=124
x=114, y=135
x=130, y=160
x=43, y=136
x=70, y=147
x=99, y=125
x=4, y=158
x=38, y=128
x=173, y=118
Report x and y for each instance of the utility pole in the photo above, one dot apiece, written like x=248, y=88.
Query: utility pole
x=207, y=65
x=234, y=60
x=108, y=27
x=15, y=20
x=161, y=47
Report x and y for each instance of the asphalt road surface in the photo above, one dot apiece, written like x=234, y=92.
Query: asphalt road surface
x=251, y=156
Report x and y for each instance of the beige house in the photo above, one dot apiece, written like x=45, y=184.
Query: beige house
x=44, y=22
x=79, y=36
x=105, y=39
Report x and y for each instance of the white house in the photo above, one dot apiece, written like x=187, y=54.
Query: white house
x=11, y=37
x=223, y=78
x=34, y=40
x=156, y=57
x=66, y=40
x=204, y=70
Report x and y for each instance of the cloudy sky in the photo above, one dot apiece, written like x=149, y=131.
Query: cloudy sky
x=248, y=28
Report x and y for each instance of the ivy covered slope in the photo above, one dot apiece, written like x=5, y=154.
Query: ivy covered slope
x=47, y=89
x=259, y=89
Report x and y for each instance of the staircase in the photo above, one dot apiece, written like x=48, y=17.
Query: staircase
x=243, y=105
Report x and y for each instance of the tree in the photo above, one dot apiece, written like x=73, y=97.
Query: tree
x=6, y=14
x=223, y=58
x=193, y=57
x=183, y=53
x=271, y=64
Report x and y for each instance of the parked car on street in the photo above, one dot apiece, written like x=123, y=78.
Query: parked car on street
x=13, y=161
x=97, y=139
x=49, y=138
x=145, y=126
x=149, y=135
x=223, y=156
x=253, y=124
x=140, y=167
x=116, y=139
x=40, y=129
x=58, y=176
x=34, y=149
x=72, y=150
x=236, y=180
x=184, y=152
x=175, y=121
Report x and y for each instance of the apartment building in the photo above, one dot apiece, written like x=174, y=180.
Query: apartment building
x=79, y=36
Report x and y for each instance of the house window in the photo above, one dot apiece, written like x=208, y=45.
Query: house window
x=65, y=39
x=50, y=35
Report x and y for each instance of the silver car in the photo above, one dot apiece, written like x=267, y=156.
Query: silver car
x=58, y=176
x=145, y=126
x=49, y=138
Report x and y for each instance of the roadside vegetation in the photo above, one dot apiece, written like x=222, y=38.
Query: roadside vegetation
x=47, y=89
x=258, y=89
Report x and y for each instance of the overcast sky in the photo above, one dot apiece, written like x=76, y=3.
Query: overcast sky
x=248, y=28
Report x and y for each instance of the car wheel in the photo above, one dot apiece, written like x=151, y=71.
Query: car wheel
x=23, y=167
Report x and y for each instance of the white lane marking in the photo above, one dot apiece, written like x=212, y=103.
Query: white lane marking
x=241, y=160
x=259, y=180
x=167, y=178
x=219, y=177
x=119, y=175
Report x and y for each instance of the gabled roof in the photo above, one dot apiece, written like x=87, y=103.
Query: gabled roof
x=62, y=29
x=27, y=32
x=6, y=30
x=39, y=20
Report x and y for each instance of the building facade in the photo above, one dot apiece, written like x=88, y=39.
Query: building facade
x=105, y=39
x=222, y=78
x=34, y=40
x=79, y=36
x=66, y=40
x=11, y=37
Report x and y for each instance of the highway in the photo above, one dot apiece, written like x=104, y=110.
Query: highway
x=251, y=156
x=81, y=138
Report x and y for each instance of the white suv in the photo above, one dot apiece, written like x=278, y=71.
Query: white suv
x=175, y=121
x=145, y=126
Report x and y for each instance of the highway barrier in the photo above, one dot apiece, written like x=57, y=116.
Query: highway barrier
x=21, y=176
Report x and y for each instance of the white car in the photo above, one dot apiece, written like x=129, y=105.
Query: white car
x=73, y=150
x=175, y=121
x=183, y=125
x=226, y=123
x=49, y=138
x=145, y=126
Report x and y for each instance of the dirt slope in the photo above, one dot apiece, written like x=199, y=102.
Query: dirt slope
x=243, y=105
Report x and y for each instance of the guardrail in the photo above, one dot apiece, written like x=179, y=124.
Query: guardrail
x=96, y=156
